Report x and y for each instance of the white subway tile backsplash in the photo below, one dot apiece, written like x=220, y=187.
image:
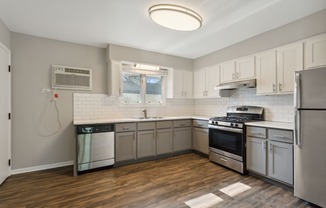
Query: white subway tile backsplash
x=100, y=106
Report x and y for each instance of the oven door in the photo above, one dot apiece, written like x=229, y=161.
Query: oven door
x=227, y=139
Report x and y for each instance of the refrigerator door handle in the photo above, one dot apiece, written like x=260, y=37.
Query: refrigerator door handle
x=297, y=128
x=297, y=91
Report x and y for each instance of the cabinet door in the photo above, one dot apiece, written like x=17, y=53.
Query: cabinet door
x=182, y=139
x=289, y=60
x=188, y=84
x=266, y=72
x=245, y=68
x=200, y=140
x=212, y=79
x=280, y=160
x=125, y=146
x=199, y=83
x=164, y=141
x=146, y=145
x=315, y=51
x=227, y=71
x=114, y=85
x=177, y=84
x=256, y=155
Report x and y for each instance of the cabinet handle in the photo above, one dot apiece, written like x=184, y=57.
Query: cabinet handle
x=271, y=148
x=120, y=92
x=280, y=136
x=125, y=128
x=134, y=135
x=182, y=124
x=238, y=75
x=233, y=77
x=280, y=86
x=274, y=88
x=225, y=160
x=263, y=145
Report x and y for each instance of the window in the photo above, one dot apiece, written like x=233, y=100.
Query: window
x=145, y=87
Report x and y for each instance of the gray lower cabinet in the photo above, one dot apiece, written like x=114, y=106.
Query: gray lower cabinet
x=125, y=146
x=182, y=138
x=146, y=143
x=280, y=161
x=200, y=140
x=164, y=141
x=271, y=153
x=256, y=155
x=200, y=136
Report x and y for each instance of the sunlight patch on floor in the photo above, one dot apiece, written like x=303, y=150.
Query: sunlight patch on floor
x=235, y=189
x=205, y=201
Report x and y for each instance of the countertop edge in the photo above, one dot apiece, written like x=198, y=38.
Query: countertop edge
x=272, y=124
x=130, y=120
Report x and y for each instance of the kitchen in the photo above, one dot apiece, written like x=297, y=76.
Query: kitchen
x=33, y=56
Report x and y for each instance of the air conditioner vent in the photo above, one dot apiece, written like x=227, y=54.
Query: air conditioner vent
x=72, y=78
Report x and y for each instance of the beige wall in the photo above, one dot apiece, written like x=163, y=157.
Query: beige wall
x=122, y=53
x=32, y=58
x=4, y=35
x=300, y=29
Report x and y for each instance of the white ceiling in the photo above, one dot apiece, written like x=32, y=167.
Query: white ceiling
x=126, y=22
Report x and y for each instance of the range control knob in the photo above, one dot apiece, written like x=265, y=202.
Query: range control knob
x=215, y=122
x=231, y=124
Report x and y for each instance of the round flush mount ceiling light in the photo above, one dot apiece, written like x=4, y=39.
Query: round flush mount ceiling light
x=175, y=17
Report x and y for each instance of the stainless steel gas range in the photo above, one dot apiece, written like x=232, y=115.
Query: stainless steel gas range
x=227, y=136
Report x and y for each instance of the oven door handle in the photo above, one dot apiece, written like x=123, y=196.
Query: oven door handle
x=225, y=128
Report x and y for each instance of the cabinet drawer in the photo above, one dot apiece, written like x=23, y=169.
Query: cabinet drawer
x=163, y=124
x=200, y=123
x=280, y=135
x=256, y=132
x=146, y=126
x=182, y=123
x=125, y=127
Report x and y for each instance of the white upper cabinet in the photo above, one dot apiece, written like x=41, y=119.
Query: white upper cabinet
x=180, y=84
x=239, y=69
x=289, y=60
x=266, y=72
x=114, y=78
x=205, y=80
x=315, y=51
x=276, y=67
x=199, y=83
x=227, y=71
x=188, y=84
x=245, y=68
x=212, y=79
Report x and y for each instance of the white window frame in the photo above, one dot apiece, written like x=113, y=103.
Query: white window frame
x=143, y=74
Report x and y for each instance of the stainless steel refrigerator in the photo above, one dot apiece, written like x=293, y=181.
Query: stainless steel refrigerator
x=310, y=136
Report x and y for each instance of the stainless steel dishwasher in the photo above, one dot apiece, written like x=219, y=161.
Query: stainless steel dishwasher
x=95, y=146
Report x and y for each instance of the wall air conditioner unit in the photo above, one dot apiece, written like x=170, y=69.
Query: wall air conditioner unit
x=71, y=78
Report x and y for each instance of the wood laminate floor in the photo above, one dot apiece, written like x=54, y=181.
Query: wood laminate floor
x=162, y=183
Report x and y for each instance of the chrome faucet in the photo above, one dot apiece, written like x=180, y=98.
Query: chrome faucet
x=145, y=113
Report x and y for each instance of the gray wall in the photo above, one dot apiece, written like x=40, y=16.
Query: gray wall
x=32, y=58
x=4, y=35
x=300, y=29
x=122, y=53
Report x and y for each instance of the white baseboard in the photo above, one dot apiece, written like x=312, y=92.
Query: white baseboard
x=41, y=167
